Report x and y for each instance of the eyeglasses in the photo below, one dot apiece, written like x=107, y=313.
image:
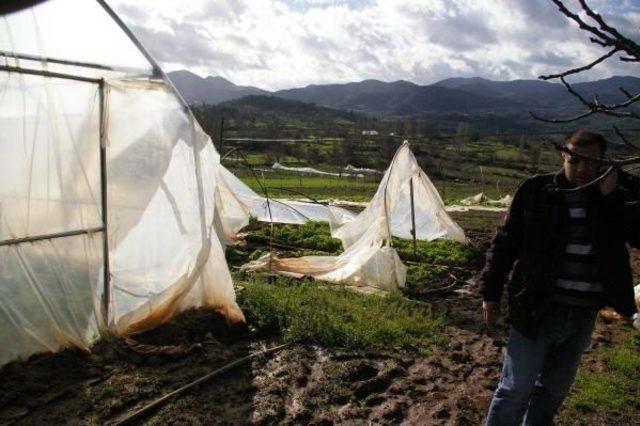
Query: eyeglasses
x=588, y=161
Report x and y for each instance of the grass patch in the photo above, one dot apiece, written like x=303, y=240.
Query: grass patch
x=613, y=392
x=335, y=316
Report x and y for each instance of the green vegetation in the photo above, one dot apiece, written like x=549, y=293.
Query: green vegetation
x=281, y=185
x=292, y=186
x=442, y=252
x=430, y=269
x=315, y=236
x=423, y=277
x=613, y=392
x=337, y=316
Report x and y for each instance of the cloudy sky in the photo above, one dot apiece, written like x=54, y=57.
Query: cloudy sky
x=277, y=44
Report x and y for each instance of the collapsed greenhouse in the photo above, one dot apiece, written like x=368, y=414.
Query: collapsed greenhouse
x=114, y=207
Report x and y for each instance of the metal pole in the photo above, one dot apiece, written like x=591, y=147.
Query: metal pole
x=42, y=73
x=106, y=294
x=14, y=241
x=156, y=69
x=35, y=58
x=413, y=221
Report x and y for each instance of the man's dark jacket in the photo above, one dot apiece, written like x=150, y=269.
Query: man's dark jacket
x=531, y=243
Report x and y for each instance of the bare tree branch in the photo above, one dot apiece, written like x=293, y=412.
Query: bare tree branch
x=622, y=41
x=624, y=139
x=583, y=25
x=627, y=94
x=576, y=94
x=599, y=42
x=580, y=69
x=560, y=120
x=607, y=36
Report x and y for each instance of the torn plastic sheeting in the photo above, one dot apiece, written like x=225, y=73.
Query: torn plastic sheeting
x=370, y=263
x=311, y=170
x=368, y=259
x=481, y=198
x=351, y=168
x=166, y=274
x=392, y=202
x=161, y=187
x=237, y=202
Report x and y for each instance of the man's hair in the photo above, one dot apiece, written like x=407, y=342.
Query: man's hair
x=585, y=138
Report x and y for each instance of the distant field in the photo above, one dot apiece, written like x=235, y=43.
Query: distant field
x=358, y=189
x=457, y=168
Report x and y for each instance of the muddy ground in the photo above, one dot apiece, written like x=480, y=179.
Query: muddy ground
x=301, y=384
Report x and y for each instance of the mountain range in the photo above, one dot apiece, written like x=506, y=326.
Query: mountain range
x=403, y=98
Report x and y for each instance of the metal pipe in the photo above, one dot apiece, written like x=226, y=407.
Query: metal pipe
x=106, y=293
x=43, y=73
x=14, y=241
x=157, y=71
x=68, y=62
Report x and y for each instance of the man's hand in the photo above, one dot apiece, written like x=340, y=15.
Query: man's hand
x=490, y=312
x=609, y=184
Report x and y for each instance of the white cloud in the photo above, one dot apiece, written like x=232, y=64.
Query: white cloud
x=275, y=44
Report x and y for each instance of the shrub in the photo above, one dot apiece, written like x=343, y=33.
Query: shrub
x=444, y=252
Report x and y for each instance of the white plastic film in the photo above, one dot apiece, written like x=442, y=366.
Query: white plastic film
x=160, y=172
x=49, y=169
x=239, y=202
x=393, y=201
x=369, y=260
x=48, y=295
x=72, y=31
x=370, y=264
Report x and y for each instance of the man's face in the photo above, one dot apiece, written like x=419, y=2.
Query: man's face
x=580, y=171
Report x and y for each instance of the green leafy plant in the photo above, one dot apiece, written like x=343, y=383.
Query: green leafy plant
x=338, y=317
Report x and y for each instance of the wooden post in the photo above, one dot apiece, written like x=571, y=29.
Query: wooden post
x=413, y=221
x=220, y=134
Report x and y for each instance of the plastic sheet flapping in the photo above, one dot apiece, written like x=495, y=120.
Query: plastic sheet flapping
x=393, y=201
x=370, y=263
x=311, y=170
x=481, y=198
x=237, y=202
x=167, y=255
x=369, y=260
x=161, y=170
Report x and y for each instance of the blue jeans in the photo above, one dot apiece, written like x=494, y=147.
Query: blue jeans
x=537, y=374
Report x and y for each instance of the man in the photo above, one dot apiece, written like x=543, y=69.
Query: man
x=567, y=248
